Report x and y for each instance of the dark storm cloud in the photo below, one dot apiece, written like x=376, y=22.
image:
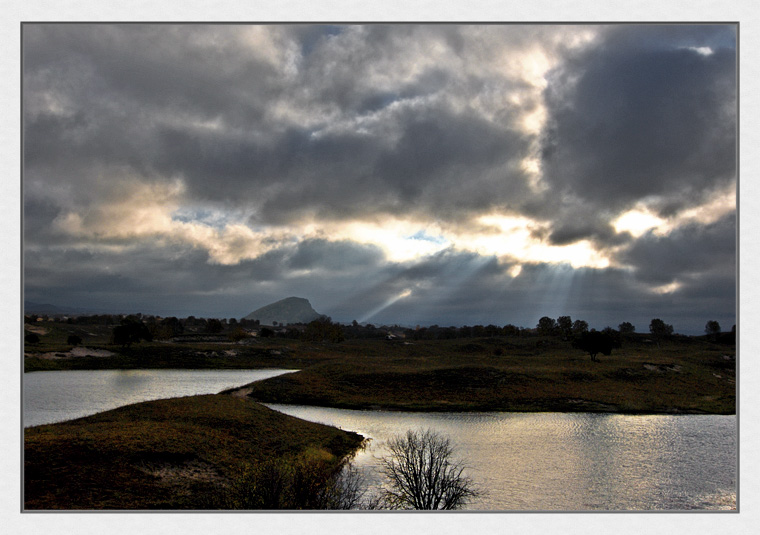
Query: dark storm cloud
x=442, y=161
x=690, y=250
x=641, y=114
x=156, y=68
x=581, y=222
x=334, y=256
x=140, y=96
x=173, y=279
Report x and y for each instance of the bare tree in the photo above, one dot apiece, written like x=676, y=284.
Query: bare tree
x=424, y=474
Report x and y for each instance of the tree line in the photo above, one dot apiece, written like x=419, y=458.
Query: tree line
x=136, y=327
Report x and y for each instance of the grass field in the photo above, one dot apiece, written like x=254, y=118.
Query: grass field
x=522, y=373
x=682, y=375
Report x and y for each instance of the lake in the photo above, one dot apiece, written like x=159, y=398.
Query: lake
x=56, y=396
x=567, y=461
x=524, y=461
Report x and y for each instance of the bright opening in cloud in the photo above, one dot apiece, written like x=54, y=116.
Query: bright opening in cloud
x=640, y=219
x=637, y=222
x=515, y=238
x=702, y=50
x=665, y=289
x=401, y=241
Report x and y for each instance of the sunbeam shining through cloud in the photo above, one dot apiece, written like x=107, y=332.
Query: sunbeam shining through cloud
x=401, y=295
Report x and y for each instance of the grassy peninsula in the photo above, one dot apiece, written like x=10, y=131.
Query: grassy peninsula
x=181, y=453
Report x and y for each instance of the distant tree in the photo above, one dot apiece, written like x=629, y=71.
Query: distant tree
x=594, y=342
x=214, y=326
x=580, y=327
x=511, y=330
x=238, y=334
x=323, y=329
x=617, y=339
x=660, y=329
x=74, y=340
x=626, y=328
x=32, y=338
x=424, y=474
x=546, y=325
x=131, y=331
x=266, y=332
x=565, y=325
x=492, y=330
x=712, y=328
x=167, y=328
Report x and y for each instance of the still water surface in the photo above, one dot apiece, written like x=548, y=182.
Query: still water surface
x=560, y=461
x=56, y=396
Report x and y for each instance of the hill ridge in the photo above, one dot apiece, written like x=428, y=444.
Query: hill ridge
x=289, y=310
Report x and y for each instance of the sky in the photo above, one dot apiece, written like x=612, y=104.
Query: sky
x=410, y=174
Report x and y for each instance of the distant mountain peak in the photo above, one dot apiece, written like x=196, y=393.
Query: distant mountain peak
x=285, y=311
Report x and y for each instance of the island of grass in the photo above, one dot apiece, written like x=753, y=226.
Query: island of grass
x=182, y=453
x=682, y=375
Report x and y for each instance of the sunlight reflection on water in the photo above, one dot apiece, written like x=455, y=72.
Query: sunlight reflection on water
x=558, y=461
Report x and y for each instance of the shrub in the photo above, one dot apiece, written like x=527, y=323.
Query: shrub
x=311, y=482
x=32, y=338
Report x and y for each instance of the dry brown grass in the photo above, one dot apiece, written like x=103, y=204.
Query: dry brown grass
x=166, y=454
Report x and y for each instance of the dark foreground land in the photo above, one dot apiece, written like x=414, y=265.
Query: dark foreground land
x=182, y=453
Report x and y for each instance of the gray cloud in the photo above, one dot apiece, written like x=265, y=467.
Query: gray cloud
x=643, y=115
x=140, y=95
x=202, y=126
x=691, y=250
